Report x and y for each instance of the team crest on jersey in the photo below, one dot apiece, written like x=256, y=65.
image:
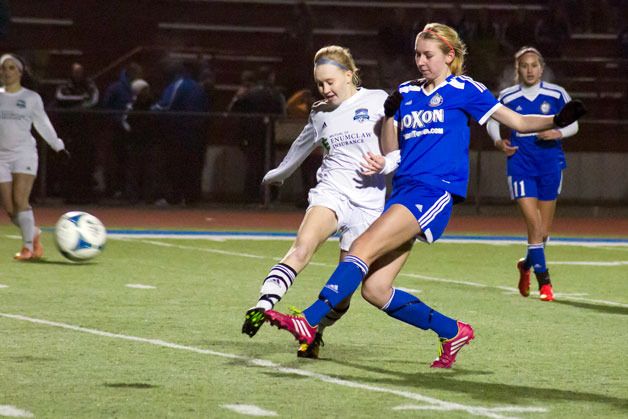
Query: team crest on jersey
x=545, y=107
x=21, y=104
x=361, y=115
x=436, y=100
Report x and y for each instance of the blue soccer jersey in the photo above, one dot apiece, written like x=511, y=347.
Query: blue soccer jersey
x=434, y=132
x=535, y=157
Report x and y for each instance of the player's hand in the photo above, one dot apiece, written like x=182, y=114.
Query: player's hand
x=504, y=145
x=392, y=103
x=372, y=164
x=550, y=134
x=570, y=113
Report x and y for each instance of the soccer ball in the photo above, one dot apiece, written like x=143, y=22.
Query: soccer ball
x=80, y=236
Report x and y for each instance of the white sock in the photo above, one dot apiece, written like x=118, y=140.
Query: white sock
x=26, y=222
x=275, y=286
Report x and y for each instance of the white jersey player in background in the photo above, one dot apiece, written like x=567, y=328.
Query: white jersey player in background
x=21, y=109
x=347, y=123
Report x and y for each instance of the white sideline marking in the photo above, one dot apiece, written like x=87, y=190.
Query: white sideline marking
x=409, y=290
x=249, y=409
x=141, y=286
x=14, y=412
x=4, y=286
x=489, y=412
x=409, y=275
x=509, y=409
x=587, y=263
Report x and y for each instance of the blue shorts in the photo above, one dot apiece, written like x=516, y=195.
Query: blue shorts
x=431, y=207
x=544, y=187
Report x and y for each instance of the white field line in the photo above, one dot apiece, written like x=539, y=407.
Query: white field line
x=587, y=263
x=249, y=410
x=403, y=274
x=14, y=412
x=509, y=409
x=140, y=286
x=4, y=286
x=490, y=412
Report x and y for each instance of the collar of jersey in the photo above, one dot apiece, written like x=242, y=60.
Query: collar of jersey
x=351, y=99
x=443, y=83
x=531, y=92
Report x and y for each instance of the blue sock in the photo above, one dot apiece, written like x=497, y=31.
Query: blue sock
x=536, y=257
x=409, y=309
x=342, y=283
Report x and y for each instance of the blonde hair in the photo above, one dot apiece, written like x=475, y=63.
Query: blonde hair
x=522, y=51
x=341, y=57
x=449, y=40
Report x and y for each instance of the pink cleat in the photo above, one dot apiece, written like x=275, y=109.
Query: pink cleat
x=23, y=255
x=524, y=278
x=449, y=347
x=546, y=293
x=297, y=325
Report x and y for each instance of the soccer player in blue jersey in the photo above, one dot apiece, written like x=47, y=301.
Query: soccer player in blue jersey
x=427, y=120
x=535, y=162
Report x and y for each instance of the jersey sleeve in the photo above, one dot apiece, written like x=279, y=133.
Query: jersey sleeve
x=301, y=147
x=480, y=102
x=44, y=127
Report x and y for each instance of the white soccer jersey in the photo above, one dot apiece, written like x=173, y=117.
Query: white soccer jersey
x=18, y=112
x=347, y=133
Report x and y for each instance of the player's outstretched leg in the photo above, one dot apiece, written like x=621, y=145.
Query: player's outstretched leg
x=297, y=325
x=449, y=348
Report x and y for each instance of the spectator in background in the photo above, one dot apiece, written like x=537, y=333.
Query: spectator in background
x=552, y=31
x=78, y=92
x=247, y=82
x=185, y=135
x=263, y=98
x=519, y=31
x=143, y=139
x=118, y=96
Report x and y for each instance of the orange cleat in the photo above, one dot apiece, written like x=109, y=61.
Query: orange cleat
x=24, y=255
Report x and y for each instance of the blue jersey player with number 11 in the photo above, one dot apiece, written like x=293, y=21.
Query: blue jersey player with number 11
x=535, y=162
x=427, y=120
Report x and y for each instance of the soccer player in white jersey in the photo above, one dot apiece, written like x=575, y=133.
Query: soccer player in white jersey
x=21, y=109
x=347, y=124
x=535, y=162
x=427, y=120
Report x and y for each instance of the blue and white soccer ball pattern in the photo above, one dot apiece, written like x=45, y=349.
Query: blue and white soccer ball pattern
x=80, y=236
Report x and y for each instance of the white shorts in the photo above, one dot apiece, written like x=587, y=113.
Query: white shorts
x=20, y=163
x=352, y=220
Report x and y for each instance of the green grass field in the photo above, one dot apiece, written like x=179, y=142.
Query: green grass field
x=77, y=342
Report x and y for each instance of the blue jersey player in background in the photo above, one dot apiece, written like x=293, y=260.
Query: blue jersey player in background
x=535, y=162
x=427, y=120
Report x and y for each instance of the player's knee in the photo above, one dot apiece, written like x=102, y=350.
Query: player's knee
x=374, y=293
x=302, y=253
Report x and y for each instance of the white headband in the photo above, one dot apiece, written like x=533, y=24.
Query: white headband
x=17, y=62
